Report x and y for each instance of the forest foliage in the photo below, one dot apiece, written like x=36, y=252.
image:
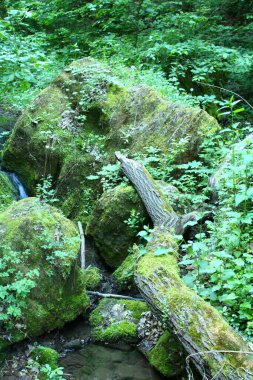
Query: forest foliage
x=199, y=50
x=192, y=44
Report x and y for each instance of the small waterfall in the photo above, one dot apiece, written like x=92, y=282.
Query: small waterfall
x=17, y=184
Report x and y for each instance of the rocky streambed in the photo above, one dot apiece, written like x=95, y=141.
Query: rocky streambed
x=82, y=359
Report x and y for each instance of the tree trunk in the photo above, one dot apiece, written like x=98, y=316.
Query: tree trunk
x=162, y=213
x=196, y=324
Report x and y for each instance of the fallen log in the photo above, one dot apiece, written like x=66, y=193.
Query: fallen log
x=216, y=350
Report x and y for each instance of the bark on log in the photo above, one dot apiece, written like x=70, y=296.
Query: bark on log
x=157, y=205
x=199, y=327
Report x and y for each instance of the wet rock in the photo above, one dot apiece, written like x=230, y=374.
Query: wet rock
x=116, y=320
x=74, y=344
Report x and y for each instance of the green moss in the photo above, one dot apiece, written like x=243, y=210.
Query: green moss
x=115, y=320
x=124, y=275
x=92, y=278
x=45, y=355
x=7, y=192
x=112, y=236
x=123, y=330
x=166, y=356
x=135, y=307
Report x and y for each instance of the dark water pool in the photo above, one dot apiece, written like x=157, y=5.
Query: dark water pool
x=95, y=362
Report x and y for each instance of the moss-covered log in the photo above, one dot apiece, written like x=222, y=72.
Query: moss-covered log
x=197, y=325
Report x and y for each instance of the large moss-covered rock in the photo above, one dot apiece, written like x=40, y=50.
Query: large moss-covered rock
x=118, y=216
x=77, y=123
x=7, y=192
x=41, y=285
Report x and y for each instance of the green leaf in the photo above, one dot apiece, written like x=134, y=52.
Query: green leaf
x=238, y=110
x=227, y=298
x=239, y=262
x=92, y=177
x=189, y=280
x=239, y=198
x=227, y=273
x=162, y=251
x=142, y=233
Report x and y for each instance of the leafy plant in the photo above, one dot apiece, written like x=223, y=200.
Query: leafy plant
x=109, y=176
x=220, y=264
x=45, y=191
x=15, y=284
x=135, y=220
x=44, y=371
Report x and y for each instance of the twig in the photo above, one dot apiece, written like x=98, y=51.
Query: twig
x=224, y=89
x=188, y=368
x=82, y=238
x=98, y=294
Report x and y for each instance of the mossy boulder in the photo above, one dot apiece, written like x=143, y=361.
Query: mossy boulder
x=115, y=221
x=124, y=274
x=76, y=124
x=92, y=278
x=45, y=355
x=41, y=285
x=132, y=322
x=166, y=356
x=117, y=320
x=7, y=192
x=117, y=217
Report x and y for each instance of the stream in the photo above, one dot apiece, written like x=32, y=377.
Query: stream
x=82, y=359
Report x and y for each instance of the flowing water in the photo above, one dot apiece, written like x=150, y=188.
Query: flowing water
x=18, y=186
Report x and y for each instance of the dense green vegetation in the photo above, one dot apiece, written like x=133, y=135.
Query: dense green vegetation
x=149, y=59
x=192, y=44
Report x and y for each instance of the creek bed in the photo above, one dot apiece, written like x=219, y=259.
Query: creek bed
x=82, y=359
